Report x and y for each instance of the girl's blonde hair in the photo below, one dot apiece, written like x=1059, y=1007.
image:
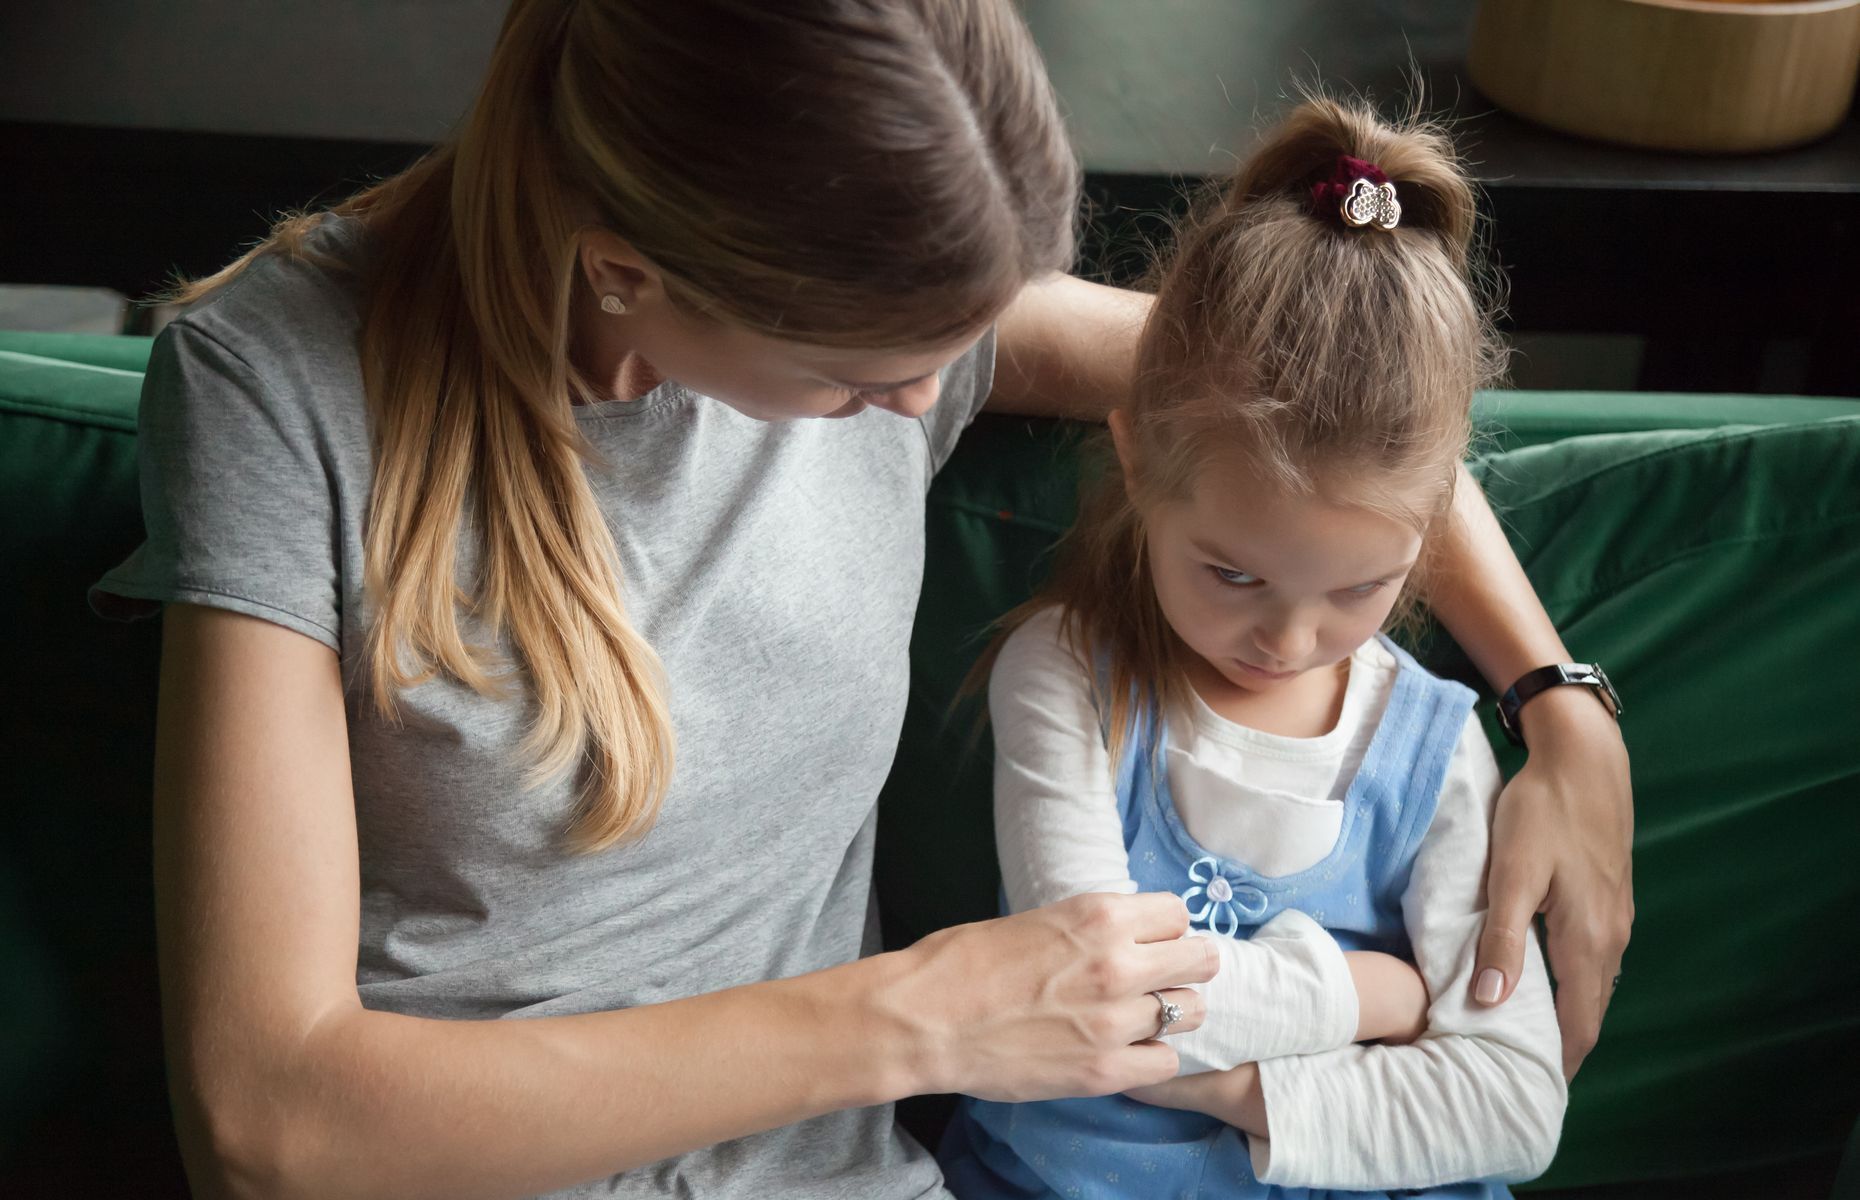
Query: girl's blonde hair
x=1315, y=355
x=873, y=173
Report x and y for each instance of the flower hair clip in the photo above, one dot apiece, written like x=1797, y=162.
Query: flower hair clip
x=1360, y=193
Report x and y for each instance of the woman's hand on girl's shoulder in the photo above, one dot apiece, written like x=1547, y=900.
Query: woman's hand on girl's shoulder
x=1562, y=844
x=1052, y=1002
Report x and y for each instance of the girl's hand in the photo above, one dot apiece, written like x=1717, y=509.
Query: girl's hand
x=1051, y=1002
x=1232, y=1097
x=1562, y=845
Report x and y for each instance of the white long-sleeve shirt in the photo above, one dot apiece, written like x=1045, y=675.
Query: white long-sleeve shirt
x=1480, y=1095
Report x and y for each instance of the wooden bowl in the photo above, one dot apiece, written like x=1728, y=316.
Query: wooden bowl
x=1716, y=76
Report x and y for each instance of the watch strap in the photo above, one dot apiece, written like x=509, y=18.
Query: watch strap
x=1535, y=683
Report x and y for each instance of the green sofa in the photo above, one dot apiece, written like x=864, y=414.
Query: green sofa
x=1706, y=548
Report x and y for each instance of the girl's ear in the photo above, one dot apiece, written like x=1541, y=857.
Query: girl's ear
x=1121, y=441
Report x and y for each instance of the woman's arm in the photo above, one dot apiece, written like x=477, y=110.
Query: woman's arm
x=1565, y=823
x=284, y=1085
x=1563, y=839
x=1066, y=348
x=1288, y=990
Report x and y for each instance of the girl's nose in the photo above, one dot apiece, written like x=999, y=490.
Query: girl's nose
x=1286, y=641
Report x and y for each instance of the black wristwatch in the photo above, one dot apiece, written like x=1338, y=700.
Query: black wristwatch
x=1589, y=675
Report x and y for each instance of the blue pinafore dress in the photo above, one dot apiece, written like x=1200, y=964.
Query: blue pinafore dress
x=1115, y=1148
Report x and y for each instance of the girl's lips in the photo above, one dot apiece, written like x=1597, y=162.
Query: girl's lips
x=1258, y=673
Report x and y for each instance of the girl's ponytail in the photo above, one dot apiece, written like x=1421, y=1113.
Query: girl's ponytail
x=1435, y=195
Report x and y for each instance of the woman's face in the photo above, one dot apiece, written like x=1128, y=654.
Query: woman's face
x=774, y=380
x=767, y=378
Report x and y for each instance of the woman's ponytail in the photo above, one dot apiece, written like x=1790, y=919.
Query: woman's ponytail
x=861, y=175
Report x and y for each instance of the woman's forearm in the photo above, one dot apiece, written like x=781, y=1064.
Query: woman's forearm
x=379, y=1104
x=1067, y=348
x=1483, y=598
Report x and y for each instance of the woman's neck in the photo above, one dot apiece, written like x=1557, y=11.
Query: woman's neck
x=609, y=365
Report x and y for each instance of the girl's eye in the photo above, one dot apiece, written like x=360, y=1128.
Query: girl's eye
x=1234, y=578
x=1366, y=589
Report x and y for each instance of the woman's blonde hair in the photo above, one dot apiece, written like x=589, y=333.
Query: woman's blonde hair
x=1315, y=355
x=875, y=173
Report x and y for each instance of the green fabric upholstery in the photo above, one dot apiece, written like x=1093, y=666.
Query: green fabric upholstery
x=83, y=1104
x=1509, y=420
x=1713, y=570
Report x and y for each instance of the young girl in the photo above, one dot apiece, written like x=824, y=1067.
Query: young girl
x=1201, y=702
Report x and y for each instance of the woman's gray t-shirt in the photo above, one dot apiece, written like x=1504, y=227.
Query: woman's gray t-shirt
x=775, y=569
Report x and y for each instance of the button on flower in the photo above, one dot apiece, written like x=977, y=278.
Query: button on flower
x=1224, y=904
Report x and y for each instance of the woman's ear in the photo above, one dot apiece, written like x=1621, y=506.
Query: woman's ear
x=612, y=267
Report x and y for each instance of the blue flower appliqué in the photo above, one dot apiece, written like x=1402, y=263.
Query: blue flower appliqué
x=1226, y=903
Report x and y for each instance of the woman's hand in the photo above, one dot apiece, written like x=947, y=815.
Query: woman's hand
x=1562, y=845
x=1232, y=1097
x=1051, y=1002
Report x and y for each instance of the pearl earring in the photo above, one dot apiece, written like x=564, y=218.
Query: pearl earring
x=611, y=303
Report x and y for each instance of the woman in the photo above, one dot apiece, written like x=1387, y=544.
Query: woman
x=477, y=501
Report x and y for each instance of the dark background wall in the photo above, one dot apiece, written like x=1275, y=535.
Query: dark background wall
x=141, y=140
x=392, y=70
x=402, y=70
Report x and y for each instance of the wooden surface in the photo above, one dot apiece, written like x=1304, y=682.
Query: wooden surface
x=1695, y=75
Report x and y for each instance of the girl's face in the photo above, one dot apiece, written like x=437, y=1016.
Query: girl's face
x=1265, y=587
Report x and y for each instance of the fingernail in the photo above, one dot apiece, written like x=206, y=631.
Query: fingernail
x=1491, y=985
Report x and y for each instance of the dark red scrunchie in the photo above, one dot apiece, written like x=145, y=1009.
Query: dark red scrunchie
x=1327, y=195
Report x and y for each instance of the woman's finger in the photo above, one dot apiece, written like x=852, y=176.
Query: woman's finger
x=1146, y=1014
x=1172, y=964
x=1514, y=892
x=1156, y=916
x=1586, y=958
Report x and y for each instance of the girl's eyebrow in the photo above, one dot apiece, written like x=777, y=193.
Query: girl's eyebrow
x=1378, y=578
x=1212, y=551
x=1216, y=552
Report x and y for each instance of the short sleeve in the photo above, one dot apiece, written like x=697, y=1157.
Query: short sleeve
x=965, y=387
x=238, y=502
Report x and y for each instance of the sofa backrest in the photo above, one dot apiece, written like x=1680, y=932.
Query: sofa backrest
x=1712, y=569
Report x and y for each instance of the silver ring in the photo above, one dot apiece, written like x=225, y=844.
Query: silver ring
x=1171, y=1013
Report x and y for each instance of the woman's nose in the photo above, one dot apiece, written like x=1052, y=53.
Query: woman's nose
x=911, y=400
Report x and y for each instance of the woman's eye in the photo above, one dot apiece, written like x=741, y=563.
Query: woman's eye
x=1234, y=578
